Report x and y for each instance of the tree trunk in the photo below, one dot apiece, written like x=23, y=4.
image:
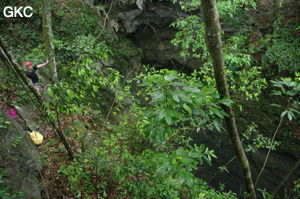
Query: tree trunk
x=214, y=44
x=288, y=175
x=7, y=59
x=48, y=36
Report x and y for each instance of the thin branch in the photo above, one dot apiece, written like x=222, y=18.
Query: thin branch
x=267, y=157
x=106, y=14
x=225, y=165
x=296, y=165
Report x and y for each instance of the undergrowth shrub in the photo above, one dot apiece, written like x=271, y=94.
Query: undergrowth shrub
x=146, y=153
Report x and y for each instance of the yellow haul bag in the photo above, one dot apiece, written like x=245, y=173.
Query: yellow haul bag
x=36, y=137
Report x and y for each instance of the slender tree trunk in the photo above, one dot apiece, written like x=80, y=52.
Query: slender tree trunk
x=7, y=59
x=286, y=178
x=214, y=44
x=48, y=36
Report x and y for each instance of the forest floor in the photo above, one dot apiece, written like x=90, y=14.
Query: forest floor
x=54, y=156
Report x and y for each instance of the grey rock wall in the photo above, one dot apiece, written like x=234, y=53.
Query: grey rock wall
x=20, y=160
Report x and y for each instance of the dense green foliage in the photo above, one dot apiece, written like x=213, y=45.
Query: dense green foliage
x=284, y=49
x=147, y=152
x=136, y=138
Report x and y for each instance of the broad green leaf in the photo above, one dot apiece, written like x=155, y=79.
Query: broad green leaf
x=70, y=93
x=161, y=114
x=290, y=115
x=181, y=151
x=50, y=92
x=283, y=113
x=192, y=89
x=95, y=88
x=187, y=108
x=217, y=125
x=185, y=98
x=168, y=118
x=158, y=95
x=176, y=98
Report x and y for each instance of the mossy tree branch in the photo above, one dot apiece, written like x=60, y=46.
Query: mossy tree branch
x=7, y=59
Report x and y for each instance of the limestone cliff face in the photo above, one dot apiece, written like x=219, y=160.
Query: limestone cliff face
x=19, y=160
x=149, y=29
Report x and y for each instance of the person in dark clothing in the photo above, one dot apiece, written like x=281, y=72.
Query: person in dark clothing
x=31, y=73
